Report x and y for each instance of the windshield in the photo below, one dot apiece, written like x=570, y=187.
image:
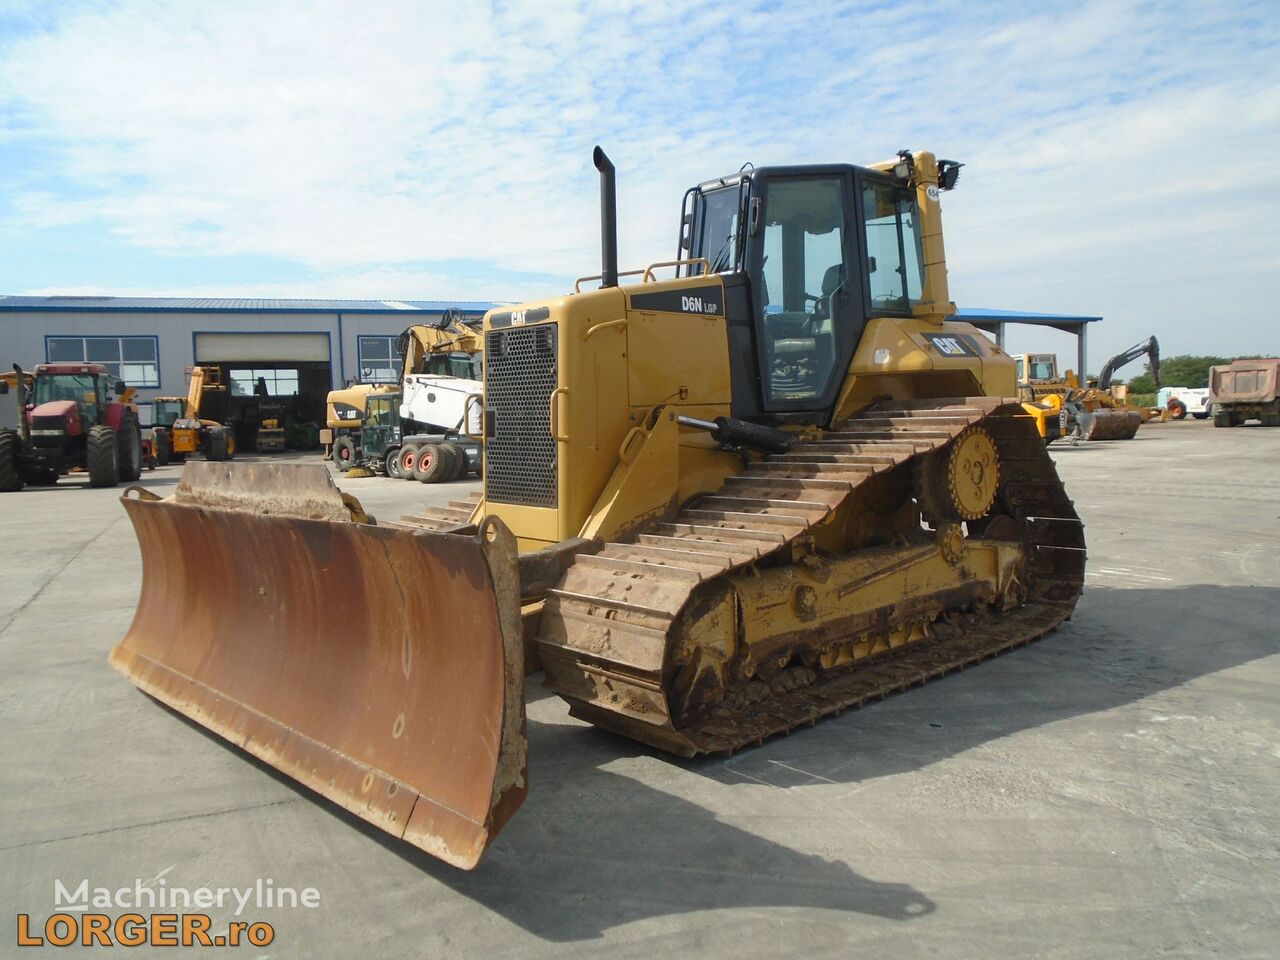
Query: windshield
x=164, y=412
x=461, y=365
x=380, y=411
x=716, y=228
x=1043, y=369
x=77, y=387
x=893, y=246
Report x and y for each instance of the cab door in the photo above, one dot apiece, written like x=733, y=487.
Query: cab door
x=807, y=289
x=377, y=432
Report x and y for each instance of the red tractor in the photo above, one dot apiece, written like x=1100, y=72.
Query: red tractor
x=70, y=415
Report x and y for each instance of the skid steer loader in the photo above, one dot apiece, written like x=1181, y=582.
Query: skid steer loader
x=716, y=507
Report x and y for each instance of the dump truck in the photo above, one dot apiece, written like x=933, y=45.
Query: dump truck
x=178, y=429
x=70, y=415
x=718, y=506
x=1245, y=390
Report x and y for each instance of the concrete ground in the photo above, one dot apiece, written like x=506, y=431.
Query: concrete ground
x=1112, y=791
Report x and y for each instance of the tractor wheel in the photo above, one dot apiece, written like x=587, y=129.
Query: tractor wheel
x=391, y=464
x=129, y=437
x=409, y=454
x=1272, y=417
x=162, y=445
x=102, y=456
x=459, y=461
x=1222, y=418
x=215, y=444
x=344, y=454
x=433, y=464
x=1177, y=409
x=10, y=478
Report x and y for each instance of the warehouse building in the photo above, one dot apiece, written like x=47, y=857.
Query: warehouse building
x=296, y=350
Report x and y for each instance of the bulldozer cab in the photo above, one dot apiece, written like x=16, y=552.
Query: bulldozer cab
x=807, y=256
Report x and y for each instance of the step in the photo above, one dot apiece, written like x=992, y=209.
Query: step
x=735, y=551
x=708, y=564
x=569, y=596
x=791, y=522
x=811, y=486
x=762, y=505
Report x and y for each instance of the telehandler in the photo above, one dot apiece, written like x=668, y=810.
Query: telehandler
x=178, y=430
x=719, y=506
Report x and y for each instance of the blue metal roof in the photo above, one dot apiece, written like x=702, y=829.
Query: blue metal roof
x=240, y=305
x=973, y=314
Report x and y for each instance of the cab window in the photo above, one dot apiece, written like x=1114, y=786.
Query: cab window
x=894, y=261
x=802, y=275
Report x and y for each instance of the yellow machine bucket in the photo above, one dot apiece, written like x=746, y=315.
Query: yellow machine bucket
x=1108, y=424
x=380, y=667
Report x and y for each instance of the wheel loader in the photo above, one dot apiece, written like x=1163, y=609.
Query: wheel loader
x=717, y=506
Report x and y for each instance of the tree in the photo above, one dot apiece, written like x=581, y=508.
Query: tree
x=1179, y=371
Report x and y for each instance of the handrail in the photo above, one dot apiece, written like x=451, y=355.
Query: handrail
x=607, y=325
x=646, y=274
x=648, y=271
x=577, y=286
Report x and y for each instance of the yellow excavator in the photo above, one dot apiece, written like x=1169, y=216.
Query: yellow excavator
x=177, y=428
x=450, y=347
x=717, y=507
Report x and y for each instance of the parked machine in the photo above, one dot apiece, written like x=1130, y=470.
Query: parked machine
x=177, y=428
x=70, y=415
x=1097, y=411
x=380, y=445
x=451, y=347
x=1178, y=403
x=818, y=499
x=1246, y=390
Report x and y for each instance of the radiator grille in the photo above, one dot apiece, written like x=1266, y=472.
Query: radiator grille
x=520, y=453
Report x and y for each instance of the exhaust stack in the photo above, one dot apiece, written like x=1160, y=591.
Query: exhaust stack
x=608, y=219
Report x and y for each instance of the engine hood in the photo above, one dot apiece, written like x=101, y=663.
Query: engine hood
x=62, y=411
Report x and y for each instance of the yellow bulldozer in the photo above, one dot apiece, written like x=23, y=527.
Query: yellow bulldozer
x=717, y=507
x=177, y=428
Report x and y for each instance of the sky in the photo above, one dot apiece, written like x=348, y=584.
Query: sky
x=1118, y=155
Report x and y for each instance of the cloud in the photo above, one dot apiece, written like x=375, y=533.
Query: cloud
x=1117, y=151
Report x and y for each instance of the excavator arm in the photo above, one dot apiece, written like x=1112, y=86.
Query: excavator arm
x=451, y=332
x=1152, y=350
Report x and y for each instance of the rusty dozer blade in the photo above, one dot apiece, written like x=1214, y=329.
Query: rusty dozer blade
x=380, y=667
x=1108, y=424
